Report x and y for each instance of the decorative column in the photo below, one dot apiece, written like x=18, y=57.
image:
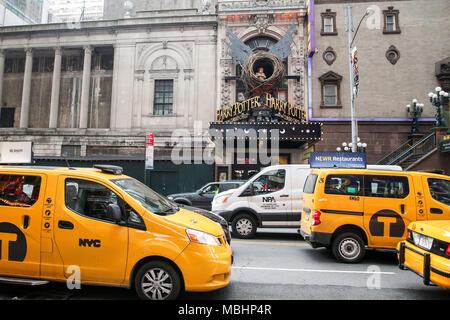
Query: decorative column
x=85, y=87
x=2, y=70
x=26, y=91
x=56, y=85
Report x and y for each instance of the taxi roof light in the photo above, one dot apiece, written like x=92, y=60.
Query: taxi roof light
x=106, y=168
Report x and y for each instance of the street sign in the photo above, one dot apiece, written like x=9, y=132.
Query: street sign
x=149, y=150
x=348, y=160
x=445, y=144
x=16, y=152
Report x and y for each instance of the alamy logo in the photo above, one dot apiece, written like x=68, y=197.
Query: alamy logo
x=13, y=244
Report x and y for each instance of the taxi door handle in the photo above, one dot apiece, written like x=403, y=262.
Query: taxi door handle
x=65, y=225
x=435, y=211
x=402, y=208
x=26, y=221
x=284, y=196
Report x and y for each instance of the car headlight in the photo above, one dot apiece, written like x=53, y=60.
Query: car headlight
x=221, y=199
x=202, y=237
x=170, y=198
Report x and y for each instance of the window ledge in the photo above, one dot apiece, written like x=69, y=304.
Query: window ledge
x=392, y=32
x=325, y=106
x=322, y=33
x=162, y=116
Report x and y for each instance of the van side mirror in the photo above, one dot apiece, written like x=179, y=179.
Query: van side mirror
x=248, y=192
x=114, y=212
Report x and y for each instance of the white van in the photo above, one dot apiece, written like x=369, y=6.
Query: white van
x=271, y=199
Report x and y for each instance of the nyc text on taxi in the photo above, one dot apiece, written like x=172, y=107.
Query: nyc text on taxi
x=116, y=230
x=348, y=210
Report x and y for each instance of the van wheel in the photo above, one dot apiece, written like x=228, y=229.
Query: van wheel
x=348, y=248
x=244, y=226
x=157, y=280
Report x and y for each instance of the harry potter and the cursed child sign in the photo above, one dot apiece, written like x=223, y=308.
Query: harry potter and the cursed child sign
x=266, y=109
x=263, y=72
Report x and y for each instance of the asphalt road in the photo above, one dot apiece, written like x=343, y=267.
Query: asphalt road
x=277, y=265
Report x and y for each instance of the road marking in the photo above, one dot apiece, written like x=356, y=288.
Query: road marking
x=312, y=270
x=302, y=244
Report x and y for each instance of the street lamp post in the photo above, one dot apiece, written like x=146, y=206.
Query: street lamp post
x=348, y=147
x=415, y=111
x=351, y=39
x=437, y=100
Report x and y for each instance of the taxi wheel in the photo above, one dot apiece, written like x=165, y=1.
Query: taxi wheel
x=348, y=248
x=244, y=226
x=157, y=280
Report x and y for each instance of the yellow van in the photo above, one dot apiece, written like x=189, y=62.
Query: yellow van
x=426, y=252
x=348, y=210
x=98, y=226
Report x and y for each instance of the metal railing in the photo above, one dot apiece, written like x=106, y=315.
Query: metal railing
x=406, y=150
x=394, y=154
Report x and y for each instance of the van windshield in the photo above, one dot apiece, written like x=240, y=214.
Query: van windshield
x=149, y=199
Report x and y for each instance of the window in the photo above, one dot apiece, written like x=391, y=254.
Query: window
x=18, y=190
x=330, y=94
x=391, y=21
x=386, y=187
x=7, y=117
x=310, y=184
x=149, y=199
x=328, y=23
x=134, y=220
x=228, y=186
x=89, y=199
x=163, y=102
x=331, y=90
x=344, y=185
x=270, y=182
x=440, y=190
x=211, y=189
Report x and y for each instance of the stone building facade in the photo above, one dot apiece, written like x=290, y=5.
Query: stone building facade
x=88, y=90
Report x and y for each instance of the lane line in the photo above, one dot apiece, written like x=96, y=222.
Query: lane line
x=302, y=244
x=313, y=270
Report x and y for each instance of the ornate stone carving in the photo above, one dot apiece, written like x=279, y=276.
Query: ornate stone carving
x=226, y=67
x=262, y=21
x=164, y=63
x=392, y=54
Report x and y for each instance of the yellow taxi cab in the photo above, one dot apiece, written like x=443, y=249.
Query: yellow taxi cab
x=57, y=224
x=426, y=252
x=348, y=210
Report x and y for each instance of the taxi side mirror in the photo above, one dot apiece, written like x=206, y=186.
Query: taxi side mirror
x=115, y=212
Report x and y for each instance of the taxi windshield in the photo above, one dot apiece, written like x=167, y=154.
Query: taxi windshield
x=148, y=198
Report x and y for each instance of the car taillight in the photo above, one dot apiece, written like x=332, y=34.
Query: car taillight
x=447, y=252
x=316, y=218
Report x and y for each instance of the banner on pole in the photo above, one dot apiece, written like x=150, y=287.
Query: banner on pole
x=149, y=150
x=355, y=65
